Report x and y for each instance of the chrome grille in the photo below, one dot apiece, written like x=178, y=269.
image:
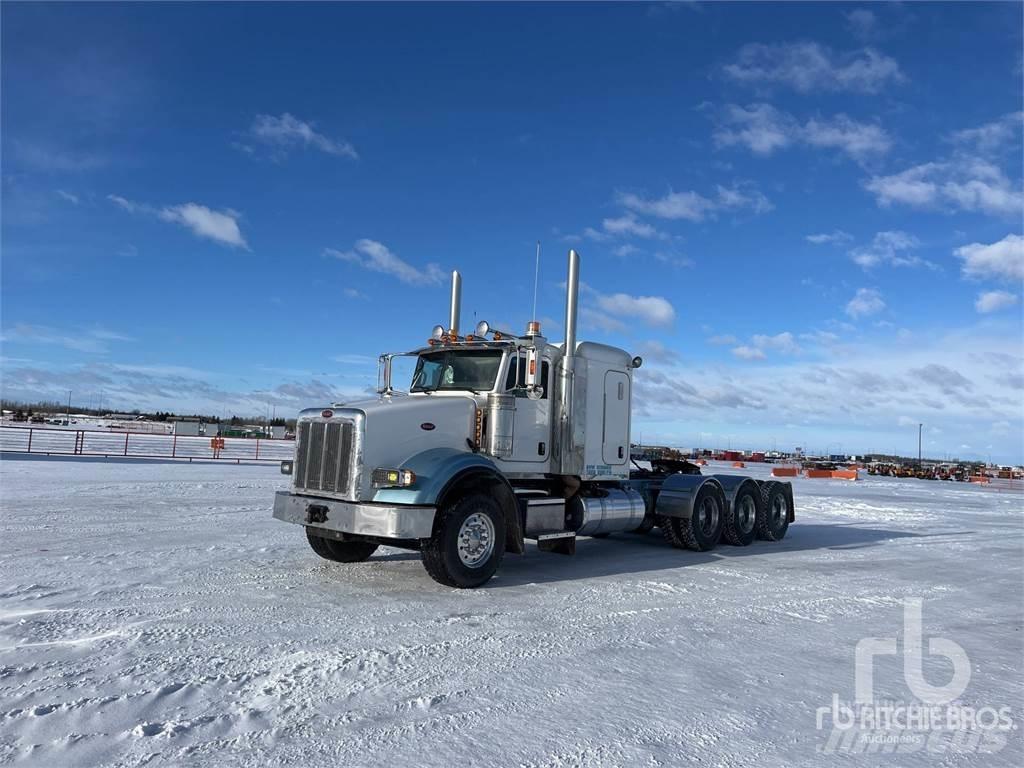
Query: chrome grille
x=323, y=456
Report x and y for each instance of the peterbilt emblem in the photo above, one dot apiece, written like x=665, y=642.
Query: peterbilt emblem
x=327, y=413
x=427, y=426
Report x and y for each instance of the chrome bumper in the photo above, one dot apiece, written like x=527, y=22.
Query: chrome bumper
x=387, y=521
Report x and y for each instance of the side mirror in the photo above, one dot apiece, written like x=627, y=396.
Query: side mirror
x=535, y=392
x=638, y=361
x=482, y=329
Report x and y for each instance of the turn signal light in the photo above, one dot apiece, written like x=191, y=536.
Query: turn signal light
x=393, y=478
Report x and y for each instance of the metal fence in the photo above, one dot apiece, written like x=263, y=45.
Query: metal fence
x=84, y=442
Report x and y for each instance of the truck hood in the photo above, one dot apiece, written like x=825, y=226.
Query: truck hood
x=397, y=428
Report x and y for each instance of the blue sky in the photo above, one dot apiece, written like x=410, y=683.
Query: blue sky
x=806, y=217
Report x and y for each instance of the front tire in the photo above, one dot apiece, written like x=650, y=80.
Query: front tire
x=340, y=551
x=468, y=542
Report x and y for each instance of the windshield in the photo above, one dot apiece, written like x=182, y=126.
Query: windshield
x=456, y=369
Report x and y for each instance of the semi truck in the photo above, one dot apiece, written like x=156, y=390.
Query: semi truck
x=499, y=439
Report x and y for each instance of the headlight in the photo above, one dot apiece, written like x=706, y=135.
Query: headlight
x=393, y=478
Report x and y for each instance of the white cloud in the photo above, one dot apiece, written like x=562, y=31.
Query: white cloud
x=763, y=129
x=629, y=225
x=128, y=205
x=748, y=353
x=675, y=205
x=809, y=66
x=287, y=132
x=858, y=140
x=376, y=257
x=803, y=398
x=692, y=206
x=962, y=183
x=994, y=136
x=592, y=318
x=742, y=196
x=826, y=338
x=780, y=342
x=626, y=250
x=87, y=340
x=722, y=339
x=71, y=198
x=862, y=23
x=893, y=248
x=867, y=301
x=53, y=159
x=621, y=226
x=1004, y=259
x=834, y=237
x=993, y=301
x=655, y=350
x=760, y=127
x=219, y=226
x=760, y=345
x=652, y=310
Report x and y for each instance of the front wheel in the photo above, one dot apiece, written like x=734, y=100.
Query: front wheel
x=340, y=551
x=467, y=544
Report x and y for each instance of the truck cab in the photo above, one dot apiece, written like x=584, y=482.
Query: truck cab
x=495, y=438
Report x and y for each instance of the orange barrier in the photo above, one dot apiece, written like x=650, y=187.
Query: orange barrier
x=701, y=463
x=785, y=471
x=844, y=474
x=979, y=479
x=818, y=472
x=739, y=464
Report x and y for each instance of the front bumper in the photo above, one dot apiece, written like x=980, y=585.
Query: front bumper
x=387, y=521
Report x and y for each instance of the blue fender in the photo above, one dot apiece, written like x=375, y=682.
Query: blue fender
x=434, y=470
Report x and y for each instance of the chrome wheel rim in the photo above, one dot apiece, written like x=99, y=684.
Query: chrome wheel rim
x=746, y=514
x=476, y=540
x=779, y=511
x=707, y=516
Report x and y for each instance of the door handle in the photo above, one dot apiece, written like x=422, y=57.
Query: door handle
x=620, y=451
x=540, y=449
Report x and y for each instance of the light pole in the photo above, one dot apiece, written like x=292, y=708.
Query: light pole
x=68, y=422
x=919, y=428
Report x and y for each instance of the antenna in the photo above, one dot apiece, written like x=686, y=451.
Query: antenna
x=536, y=276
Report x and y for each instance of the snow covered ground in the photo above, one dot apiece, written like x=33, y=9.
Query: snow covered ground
x=154, y=613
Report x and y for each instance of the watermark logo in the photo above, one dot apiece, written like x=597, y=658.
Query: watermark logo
x=931, y=720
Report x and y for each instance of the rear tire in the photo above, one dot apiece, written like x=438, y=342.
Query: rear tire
x=773, y=522
x=340, y=551
x=703, y=529
x=741, y=519
x=467, y=544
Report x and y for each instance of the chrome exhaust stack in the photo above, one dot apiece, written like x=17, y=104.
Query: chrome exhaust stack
x=568, y=461
x=456, y=305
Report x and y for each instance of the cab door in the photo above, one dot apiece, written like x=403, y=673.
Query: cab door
x=531, y=432
x=615, y=425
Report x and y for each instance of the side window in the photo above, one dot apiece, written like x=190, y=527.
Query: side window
x=515, y=368
x=517, y=376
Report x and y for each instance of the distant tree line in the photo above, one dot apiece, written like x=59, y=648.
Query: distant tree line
x=25, y=410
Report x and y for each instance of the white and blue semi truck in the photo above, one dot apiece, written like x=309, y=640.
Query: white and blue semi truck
x=497, y=439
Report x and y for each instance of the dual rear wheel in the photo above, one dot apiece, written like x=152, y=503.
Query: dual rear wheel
x=756, y=513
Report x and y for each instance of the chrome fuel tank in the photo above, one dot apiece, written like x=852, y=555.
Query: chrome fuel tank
x=615, y=510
